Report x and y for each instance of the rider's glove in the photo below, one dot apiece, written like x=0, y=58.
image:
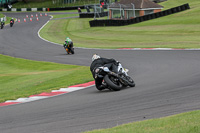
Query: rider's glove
x=97, y=71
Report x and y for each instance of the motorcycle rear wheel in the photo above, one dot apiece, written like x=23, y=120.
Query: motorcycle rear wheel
x=116, y=86
x=72, y=51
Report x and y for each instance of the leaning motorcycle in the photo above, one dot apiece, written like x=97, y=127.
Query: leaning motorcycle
x=69, y=50
x=115, y=79
x=11, y=23
x=2, y=25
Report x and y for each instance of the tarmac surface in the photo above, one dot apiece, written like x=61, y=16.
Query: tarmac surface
x=167, y=83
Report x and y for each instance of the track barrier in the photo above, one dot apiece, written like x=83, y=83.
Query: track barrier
x=41, y=9
x=122, y=22
x=91, y=15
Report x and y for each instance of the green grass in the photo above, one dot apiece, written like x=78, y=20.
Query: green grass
x=8, y=18
x=70, y=11
x=182, y=123
x=180, y=30
x=1, y=15
x=22, y=78
x=65, y=15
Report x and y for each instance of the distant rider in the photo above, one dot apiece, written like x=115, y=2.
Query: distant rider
x=12, y=20
x=68, y=43
x=79, y=10
x=2, y=24
x=98, y=61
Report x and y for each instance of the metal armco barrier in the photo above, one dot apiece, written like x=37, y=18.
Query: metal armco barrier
x=42, y=9
x=110, y=22
x=23, y=9
x=66, y=8
x=91, y=15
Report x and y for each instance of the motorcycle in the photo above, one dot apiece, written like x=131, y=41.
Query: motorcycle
x=115, y=79
x=11, y=23
x=69, y=50
x=2, y=25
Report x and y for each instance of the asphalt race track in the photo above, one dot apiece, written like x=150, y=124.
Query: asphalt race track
x=167, y=83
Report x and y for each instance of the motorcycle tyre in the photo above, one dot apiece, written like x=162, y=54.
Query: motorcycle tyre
x=112, y=85
x=72, y=51
x=131, y=84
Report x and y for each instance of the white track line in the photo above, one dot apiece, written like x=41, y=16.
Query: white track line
x=53, y=93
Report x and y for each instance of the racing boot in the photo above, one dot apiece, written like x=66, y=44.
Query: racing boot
x=102, y=86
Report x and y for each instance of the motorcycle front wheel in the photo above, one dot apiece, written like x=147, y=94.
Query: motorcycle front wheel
x=112, y=83
x=131, y=83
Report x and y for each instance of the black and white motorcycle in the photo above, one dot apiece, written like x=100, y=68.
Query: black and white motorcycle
x=2, y=25
x=12, y=23
x=115, y=79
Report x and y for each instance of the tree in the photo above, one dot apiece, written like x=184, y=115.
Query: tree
x=25, y=1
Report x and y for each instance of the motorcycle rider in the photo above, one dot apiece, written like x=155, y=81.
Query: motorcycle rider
x=98, y=61
x=2, y=24
x=12, y=20
x=79, y=10
x=68, y=43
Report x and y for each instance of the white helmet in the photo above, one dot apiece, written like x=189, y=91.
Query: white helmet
x=95, y=56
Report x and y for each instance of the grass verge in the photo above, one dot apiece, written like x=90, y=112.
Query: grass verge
x=8, y=18
x=1, y=15
x=65, y=15
x=182, y=123
x=22, y=78
x=180, y=30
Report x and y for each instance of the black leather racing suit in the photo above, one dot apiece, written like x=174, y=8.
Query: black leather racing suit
x=99, y=63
